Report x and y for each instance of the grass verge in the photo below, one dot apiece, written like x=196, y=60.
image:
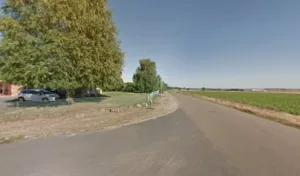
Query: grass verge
x=81, y=117
x=278, y=102
x=11, y=139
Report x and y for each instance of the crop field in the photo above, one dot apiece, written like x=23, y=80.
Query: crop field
x=279, y=102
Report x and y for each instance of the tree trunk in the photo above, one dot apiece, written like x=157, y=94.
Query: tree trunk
x=70, y=93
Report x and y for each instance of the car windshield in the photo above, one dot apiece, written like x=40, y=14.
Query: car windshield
x=46, y=92
x=24, y=91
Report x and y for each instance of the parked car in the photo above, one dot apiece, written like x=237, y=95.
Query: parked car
x=37, y=95
x=61, y=92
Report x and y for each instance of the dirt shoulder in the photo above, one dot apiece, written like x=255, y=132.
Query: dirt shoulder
x=280, y=117
x=82, y=117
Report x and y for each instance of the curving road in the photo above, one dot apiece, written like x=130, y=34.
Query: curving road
x=200, y=138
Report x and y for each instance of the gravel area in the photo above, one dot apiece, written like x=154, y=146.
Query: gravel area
x=82, y=117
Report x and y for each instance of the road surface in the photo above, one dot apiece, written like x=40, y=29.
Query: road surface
x=200, y=138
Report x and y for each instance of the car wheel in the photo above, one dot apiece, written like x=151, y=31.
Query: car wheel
x=21, y=99
x=45, y=100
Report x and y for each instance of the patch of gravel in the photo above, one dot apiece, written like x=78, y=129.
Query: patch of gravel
x=84, y=117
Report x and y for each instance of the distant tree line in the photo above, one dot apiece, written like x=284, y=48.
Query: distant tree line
x=185, y=88
x=205, y=89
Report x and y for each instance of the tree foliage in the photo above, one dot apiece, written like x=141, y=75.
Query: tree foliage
x=115, y=85
x=162, y=85
x=145, y=78
x=166, y=86
x=129, y=87
x=59, y=44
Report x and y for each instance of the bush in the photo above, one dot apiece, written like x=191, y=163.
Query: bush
x=129, y=87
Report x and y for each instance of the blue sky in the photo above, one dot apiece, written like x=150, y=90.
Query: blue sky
x=213, y=43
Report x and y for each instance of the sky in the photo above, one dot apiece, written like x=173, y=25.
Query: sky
x=213, y=43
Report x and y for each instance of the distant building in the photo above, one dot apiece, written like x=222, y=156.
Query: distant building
x=7, y=89
x=258, y=90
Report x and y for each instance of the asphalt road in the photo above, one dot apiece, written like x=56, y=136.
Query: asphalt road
x=200, y=138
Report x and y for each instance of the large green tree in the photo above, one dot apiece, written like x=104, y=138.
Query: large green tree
x=115, y=85
x=59, y=44
x=145, y=78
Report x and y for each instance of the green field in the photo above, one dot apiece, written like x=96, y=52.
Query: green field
x=280, y=102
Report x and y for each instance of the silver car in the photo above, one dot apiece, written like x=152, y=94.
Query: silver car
x=37, y=95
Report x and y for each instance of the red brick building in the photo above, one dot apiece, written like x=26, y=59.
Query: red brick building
x=9, y=89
